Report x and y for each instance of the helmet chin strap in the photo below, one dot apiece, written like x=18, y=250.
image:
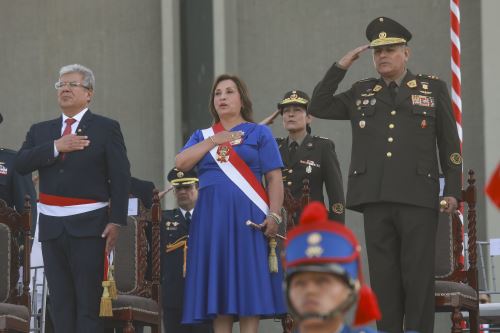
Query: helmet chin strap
x=343, y=307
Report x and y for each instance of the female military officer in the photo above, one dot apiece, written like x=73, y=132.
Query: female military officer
x=308, y=157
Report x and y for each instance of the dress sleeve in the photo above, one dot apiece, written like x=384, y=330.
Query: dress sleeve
x=269, y=154
x=196, y=137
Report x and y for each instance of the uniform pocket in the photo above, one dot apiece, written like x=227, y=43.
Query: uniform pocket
x=428, y=171
x=357, y=168
x=424, y=111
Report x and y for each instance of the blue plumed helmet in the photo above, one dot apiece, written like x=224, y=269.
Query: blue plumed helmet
x=321, y=245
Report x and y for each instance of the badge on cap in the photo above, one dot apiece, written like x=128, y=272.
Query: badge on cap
x=382, y=34
x=180, y=174
x=314, y=249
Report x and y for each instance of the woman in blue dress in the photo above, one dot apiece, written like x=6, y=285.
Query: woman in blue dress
x=228, y=276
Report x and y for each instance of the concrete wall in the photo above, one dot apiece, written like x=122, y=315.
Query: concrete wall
x=120, y=40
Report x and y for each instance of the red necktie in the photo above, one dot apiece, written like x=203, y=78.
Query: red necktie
x=69, y=122
x=67, y=130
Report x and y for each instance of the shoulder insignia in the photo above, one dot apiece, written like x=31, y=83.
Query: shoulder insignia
x=456, y=158
x=412, y=84
x=425, y=76
x=377, y=88
x=338, y=208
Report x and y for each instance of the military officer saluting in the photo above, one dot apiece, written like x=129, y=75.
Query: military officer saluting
x=174, y=232
x=397, y=121
x=308, y=157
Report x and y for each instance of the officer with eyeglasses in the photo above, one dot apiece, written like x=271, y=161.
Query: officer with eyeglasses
x=84, y=177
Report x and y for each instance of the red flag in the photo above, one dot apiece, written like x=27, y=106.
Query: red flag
x=493, y=187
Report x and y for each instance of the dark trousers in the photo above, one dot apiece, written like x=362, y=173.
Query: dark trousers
x=172, y=319
x=400, y=241
x=74, y=270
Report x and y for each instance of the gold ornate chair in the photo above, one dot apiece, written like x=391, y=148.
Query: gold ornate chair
x=138, y=302
x=456, y=288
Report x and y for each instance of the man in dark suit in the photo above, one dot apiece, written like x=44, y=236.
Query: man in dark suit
x=397, y=121
x=84, y=185
x=309, y=157
x=174, y=232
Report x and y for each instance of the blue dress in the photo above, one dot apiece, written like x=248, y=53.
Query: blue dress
x=227, y=265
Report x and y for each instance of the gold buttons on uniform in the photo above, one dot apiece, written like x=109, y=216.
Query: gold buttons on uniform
x=393, y=112
x=355, y=172
x=289, y=183
x=290, y=171
x=390, y=139
x=391, y=126
x=389, y=154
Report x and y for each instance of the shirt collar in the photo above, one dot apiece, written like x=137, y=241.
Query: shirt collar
x=299, y=140
x=77, y=116
x=398, y=80
x=183, y=211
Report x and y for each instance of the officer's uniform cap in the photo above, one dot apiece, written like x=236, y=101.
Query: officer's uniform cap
x=294, y=97
x=179, y=178
x=384, y=31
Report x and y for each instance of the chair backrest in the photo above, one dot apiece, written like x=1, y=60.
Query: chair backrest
x=13, y=228
x=447, y=252
x=449, y=241
x=131, y=253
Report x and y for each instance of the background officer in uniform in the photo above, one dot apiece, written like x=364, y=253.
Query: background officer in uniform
x=13, y=186
x=308, y=157
x=174, y=232
x=323, y=276
x=397, y=121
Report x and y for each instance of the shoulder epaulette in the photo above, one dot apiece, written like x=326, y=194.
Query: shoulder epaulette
x=320, y=137
x=366, y=80
x=426, y=76
x=7, y=150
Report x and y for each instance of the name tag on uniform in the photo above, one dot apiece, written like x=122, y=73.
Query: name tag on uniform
x=427, y=101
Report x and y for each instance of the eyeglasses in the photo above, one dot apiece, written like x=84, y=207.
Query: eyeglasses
x=59, y=84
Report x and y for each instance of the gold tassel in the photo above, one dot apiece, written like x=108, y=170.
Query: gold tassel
x=273, y=258
x=113, y=292
x=106, y=309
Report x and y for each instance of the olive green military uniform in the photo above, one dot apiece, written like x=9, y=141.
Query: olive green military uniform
x=315, y=160
x=393, y=180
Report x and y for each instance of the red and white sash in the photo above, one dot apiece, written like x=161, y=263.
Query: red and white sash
x=54, y=205
x=239, y=172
